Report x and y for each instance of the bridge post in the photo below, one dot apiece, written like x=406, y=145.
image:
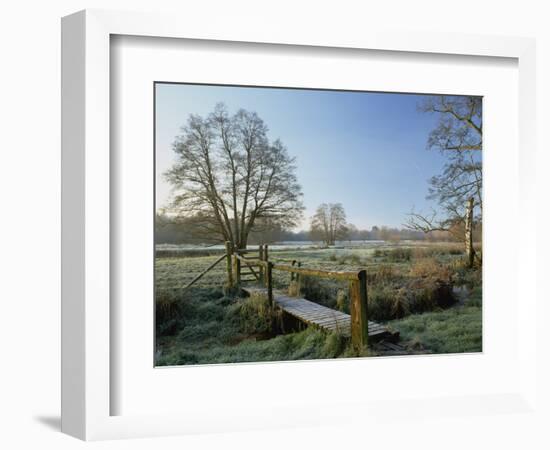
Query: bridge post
x=228, y=262
x=298, y=280
x=358, y=307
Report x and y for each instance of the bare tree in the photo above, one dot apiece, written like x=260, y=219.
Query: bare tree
x=231, y=178
x=458, y=189
x=329, y=223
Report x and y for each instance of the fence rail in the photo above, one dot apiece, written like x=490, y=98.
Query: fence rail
x=198, y=277
x=335, y=275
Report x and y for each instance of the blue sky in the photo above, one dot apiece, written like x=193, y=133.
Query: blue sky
x=364, y=150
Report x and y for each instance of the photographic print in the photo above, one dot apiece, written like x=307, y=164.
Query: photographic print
x=299, y=224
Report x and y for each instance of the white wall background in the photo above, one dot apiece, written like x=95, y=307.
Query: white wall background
x=30, y=195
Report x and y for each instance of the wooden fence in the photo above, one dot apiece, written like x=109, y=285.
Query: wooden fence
x=237, y=259
x=357, y=281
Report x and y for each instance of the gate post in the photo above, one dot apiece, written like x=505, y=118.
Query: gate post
x=237, y=268
x=229, y=254
x=269, y=280
x=358, y=307
x=262, y=270
x=266, y=259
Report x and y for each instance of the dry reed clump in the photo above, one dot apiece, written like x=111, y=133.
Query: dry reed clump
x=422, y=296
x=347, y=259
x=428, y=286
x=426, y=252
x=380, y=303
x=387, y=303
x=423, y=252
x=319, y=290
x=170, y=310
x=430, y=268
x=166, y=305
x=383, y=274
x=400, y=304
x=431, y=286
x=456, y=249
x=398, y=254
x=342, y=300
x=464, y=275
x=335, y=344
x=255, y=313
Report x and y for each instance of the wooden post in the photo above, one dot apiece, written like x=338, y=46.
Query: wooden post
x=269, y=281
x=468, y=238
x=358, y=306
x=229, y=254
x=293, y=263
x=298, y=280
x=237, y=269
x=266, y=259
x=261, y=268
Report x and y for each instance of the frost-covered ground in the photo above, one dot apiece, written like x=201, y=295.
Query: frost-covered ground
x=402, y=290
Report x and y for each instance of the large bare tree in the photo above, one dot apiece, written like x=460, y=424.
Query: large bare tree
x=231, y=178
x=329, y=223
x=457, y=191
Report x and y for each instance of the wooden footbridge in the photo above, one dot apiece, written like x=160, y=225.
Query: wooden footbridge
x=244, y=266
x=327, y=319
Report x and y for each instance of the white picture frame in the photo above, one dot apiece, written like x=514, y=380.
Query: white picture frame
x=86, y=239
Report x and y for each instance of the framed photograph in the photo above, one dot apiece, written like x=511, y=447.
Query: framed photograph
x=258, y=258
x=305, y=217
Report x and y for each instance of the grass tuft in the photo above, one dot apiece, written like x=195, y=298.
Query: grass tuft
x=255, y=313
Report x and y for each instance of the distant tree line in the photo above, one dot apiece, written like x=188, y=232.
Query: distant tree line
x=177, y=230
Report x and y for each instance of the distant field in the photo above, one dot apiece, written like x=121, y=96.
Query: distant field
x=185, y=262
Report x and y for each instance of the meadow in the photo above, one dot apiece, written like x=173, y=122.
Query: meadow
x=423, y=290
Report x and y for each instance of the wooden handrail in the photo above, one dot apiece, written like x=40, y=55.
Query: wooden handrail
x=275, y=259
x=336, y=275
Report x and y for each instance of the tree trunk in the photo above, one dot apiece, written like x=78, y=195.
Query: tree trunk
x=468, y=234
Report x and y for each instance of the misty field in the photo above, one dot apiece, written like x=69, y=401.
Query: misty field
x=423, y=290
